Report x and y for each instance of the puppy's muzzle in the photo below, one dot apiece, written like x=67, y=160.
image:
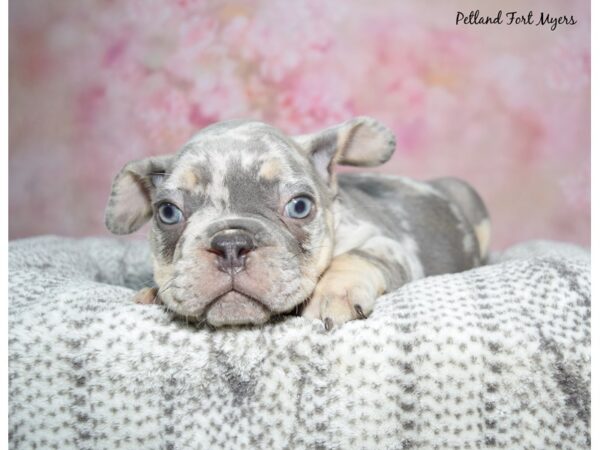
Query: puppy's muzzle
x=232, y=248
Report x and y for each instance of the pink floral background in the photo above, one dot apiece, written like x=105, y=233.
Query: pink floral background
x=95, y=84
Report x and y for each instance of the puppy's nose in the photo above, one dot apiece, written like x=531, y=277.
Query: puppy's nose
x=231, y=248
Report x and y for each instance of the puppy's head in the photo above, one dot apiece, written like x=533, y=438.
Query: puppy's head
x=241, y=216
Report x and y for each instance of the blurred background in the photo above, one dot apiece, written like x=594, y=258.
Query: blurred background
x=95, y=84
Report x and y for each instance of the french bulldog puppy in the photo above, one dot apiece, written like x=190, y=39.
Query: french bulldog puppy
x=248, y=222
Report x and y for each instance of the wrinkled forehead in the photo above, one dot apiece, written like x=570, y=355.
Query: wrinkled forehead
x=239, y=165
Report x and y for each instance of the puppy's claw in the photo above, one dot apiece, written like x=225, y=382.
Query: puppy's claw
x=360, y=312
x=328, y=323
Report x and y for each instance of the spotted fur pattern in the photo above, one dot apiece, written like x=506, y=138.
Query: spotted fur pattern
x=366, y=234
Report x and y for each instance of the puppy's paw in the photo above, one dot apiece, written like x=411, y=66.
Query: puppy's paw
x=347, y=291
x=147, y=296
x=339, y=304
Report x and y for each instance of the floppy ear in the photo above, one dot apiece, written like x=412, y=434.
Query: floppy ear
x=362, y=141
x=130, y=202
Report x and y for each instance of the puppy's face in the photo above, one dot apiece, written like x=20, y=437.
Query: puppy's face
x=241, y=222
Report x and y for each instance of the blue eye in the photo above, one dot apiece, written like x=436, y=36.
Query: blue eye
x=169, y=214
x=298, y=207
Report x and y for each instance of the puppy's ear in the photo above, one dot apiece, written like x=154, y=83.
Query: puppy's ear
x=362, y=141
x=130, y=203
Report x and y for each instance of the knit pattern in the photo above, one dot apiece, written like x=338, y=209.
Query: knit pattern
x=495, y=357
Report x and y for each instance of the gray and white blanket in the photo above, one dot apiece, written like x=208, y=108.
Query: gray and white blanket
x=495, y=357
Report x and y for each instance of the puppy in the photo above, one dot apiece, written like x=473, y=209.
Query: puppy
x=248, y=222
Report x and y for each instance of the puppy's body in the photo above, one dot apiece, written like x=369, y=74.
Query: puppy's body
x=249, y=222
x=406, y=229
x=423, y=226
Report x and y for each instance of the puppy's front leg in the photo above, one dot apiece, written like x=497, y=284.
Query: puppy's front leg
x=349, y=287
x=147, y=296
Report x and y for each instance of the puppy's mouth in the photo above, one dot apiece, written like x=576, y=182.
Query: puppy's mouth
x=235, y=307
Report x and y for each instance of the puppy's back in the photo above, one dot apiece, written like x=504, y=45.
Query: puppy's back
x=438, y=216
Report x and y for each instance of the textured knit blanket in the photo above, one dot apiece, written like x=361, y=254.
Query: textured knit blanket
x=495, y=357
